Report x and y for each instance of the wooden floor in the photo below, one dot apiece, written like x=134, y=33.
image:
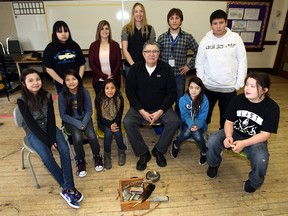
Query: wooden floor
x=183, y=180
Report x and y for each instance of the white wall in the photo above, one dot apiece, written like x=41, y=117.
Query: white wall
x=196, y=21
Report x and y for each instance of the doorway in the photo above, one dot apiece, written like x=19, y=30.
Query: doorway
x=281, y=62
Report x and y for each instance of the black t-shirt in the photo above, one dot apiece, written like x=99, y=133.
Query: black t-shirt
x=61, y=57
x=251, y=118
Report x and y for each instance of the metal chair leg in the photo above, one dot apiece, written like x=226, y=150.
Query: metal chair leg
x=22, y=158
x=71, y=150
x=68, y=143
x=32, y=170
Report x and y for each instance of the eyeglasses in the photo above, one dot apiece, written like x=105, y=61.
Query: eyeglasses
x=151, y=51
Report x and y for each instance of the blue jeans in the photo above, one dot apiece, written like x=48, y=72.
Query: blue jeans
x=108, y=136
x=180, y=84
x=63, y=175
x=133, y=120
x=257, y=155
x=186, y=133
x=77, y=137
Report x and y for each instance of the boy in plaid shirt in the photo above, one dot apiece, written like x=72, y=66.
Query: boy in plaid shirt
x=174, y=45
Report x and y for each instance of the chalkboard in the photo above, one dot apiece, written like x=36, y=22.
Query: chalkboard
x=82, y=17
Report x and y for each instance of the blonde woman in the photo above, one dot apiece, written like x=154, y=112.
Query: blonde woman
x=134, y=35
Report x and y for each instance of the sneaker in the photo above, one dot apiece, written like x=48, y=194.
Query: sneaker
x=247, y=187
x=174, y=150
x=212, y=172
x=160, y=159
x=203, y=159
x=81, y=168
x=143, y=160
x=98, y=163
x=78, y=196
x=70, y=198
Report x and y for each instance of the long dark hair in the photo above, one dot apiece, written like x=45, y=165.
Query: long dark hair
x=102, y=95
x=57, y=27
x=101, y=24
x=199, y=99
x=34, y=102
x=262, y=80
x=68, y=95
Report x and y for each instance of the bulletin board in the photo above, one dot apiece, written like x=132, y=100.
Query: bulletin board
x=250, y=21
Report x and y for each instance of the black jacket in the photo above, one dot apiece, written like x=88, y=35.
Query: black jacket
x=154, y=92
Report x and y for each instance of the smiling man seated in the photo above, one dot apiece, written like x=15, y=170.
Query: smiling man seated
x=151, y=91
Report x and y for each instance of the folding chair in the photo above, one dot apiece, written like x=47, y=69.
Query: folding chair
x=3, y=80
x=13, y=46
x=18, y=119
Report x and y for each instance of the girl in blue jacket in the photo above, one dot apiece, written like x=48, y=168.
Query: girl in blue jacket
x=193, y=107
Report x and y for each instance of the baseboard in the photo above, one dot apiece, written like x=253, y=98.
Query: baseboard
x=264, y=70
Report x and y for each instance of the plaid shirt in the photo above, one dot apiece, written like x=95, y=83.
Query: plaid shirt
x=184, y=42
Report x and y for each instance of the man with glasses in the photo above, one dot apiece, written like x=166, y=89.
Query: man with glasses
x=151, y=91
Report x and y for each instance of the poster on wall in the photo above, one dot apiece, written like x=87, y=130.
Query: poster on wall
x=249, y=20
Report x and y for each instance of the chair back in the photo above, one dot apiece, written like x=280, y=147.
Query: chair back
x=2, y=50
x=18, y=119
x=13, y=46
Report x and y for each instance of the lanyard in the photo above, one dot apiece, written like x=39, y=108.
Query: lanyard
x=173, y=42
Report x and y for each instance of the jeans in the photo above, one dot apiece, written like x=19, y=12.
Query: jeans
x=186, y=133
x=180, y=84
x=257, y=155
x=224, y=100
x=63, y=175
x=77, y=137
x=133, y=120
x=108, y=136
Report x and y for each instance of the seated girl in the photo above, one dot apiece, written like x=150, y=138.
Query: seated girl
x=110, y=105
x=75, y=109
x=36, y=108
x=194, y=108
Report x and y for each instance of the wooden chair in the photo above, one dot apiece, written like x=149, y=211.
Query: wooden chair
x=18, y=119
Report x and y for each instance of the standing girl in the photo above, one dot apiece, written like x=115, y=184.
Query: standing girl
x=75, y=109
x=134, y=35
x=104, y=57
x=61, y=54
x=251, y=118
x=110, y=105
x=194, y=109
x=36, y=108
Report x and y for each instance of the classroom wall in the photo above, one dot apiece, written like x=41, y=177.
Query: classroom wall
x=7, y=24
x=35, y=31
